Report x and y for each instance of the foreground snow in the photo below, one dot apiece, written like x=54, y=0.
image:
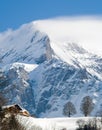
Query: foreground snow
x=51, y=123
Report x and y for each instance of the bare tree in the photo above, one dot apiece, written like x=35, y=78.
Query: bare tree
x=69, y=109
x=14, y=123
x=11, y=123
x=87, y=105
x=91, y=124
x=80, y=123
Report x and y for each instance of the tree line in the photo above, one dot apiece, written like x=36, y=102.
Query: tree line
x=86, y=107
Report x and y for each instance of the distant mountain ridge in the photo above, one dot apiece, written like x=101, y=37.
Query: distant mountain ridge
x=41, y=74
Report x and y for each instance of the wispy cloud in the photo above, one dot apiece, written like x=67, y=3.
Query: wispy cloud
x=84, y=30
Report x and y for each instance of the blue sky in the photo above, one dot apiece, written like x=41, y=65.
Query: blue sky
x=14, y=13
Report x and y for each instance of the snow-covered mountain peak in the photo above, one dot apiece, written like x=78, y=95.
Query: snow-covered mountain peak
x=45, y=62
x=40, y=40
x=27, y=44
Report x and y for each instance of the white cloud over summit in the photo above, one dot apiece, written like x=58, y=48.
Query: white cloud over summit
x=86, y=31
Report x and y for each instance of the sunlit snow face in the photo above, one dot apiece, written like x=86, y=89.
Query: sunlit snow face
x=86, y=31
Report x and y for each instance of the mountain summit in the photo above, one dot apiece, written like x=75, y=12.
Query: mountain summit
x=43, y=66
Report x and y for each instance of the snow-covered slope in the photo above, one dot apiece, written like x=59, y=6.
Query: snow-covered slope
x=43, y=66
x=52, y=123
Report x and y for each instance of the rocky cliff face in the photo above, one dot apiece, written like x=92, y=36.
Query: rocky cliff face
x=42, y=75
